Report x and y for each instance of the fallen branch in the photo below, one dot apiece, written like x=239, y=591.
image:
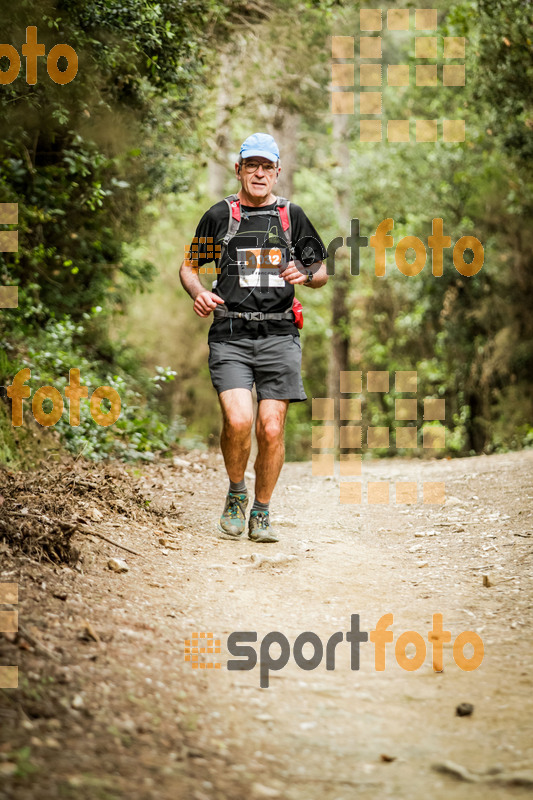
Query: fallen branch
x=90, y=532
x=18, y=705
x=41, y=648
x=76, y=528
x=493, y=775
x=339, y=781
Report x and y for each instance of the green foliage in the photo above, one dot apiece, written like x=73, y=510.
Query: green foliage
x=470, y=339
x=82, y=160
x=112, y=171
x=25, y=766
x=502, y=71
x=140, y=431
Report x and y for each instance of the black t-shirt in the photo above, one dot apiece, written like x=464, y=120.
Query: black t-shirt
x=238, y=287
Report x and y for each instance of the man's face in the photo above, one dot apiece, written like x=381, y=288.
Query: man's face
x=257, y=176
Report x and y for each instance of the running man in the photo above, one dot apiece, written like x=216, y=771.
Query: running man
x=266, y=246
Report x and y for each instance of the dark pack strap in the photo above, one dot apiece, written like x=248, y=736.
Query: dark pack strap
x=234, y=210
x=256, y=316
x=234, y=221
x=248, y=214
x=283, y=209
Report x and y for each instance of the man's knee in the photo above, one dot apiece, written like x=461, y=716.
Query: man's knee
x=270, y=430
x=238, y=424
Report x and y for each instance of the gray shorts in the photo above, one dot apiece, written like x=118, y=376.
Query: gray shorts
x=272, y=363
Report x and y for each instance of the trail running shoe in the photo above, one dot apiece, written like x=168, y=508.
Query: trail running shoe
x=233, y=520
x=259, y=529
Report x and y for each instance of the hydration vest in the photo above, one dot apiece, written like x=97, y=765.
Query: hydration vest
x=235, y=213
x=282, y=212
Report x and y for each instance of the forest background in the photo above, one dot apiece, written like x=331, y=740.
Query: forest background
x=112, y=171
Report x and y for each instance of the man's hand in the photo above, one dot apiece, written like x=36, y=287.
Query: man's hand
x=293, y=274
x=205, y=302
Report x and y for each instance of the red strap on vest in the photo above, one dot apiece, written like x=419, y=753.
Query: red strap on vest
x=282, y=211
x=284, y=217
x=236, y=210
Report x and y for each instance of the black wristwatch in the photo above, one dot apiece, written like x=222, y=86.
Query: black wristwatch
x=310, y=277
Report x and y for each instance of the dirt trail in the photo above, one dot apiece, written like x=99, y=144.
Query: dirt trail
x=127, y=717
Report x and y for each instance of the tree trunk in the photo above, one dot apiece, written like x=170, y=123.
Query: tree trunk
x=340, y=311
x=285, y=132
x=219, y=164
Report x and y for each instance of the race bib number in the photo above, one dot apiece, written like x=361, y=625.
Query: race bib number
x=260, y=266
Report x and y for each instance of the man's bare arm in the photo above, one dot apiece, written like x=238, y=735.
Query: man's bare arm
x=298, y=275
x=320, y=277
x=204, y=300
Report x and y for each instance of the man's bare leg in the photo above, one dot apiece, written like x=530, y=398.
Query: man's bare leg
x=236, y=437
x=270, y=430
x=235, y=440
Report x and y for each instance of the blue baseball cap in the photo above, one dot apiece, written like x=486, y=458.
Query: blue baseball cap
x=260, y=144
